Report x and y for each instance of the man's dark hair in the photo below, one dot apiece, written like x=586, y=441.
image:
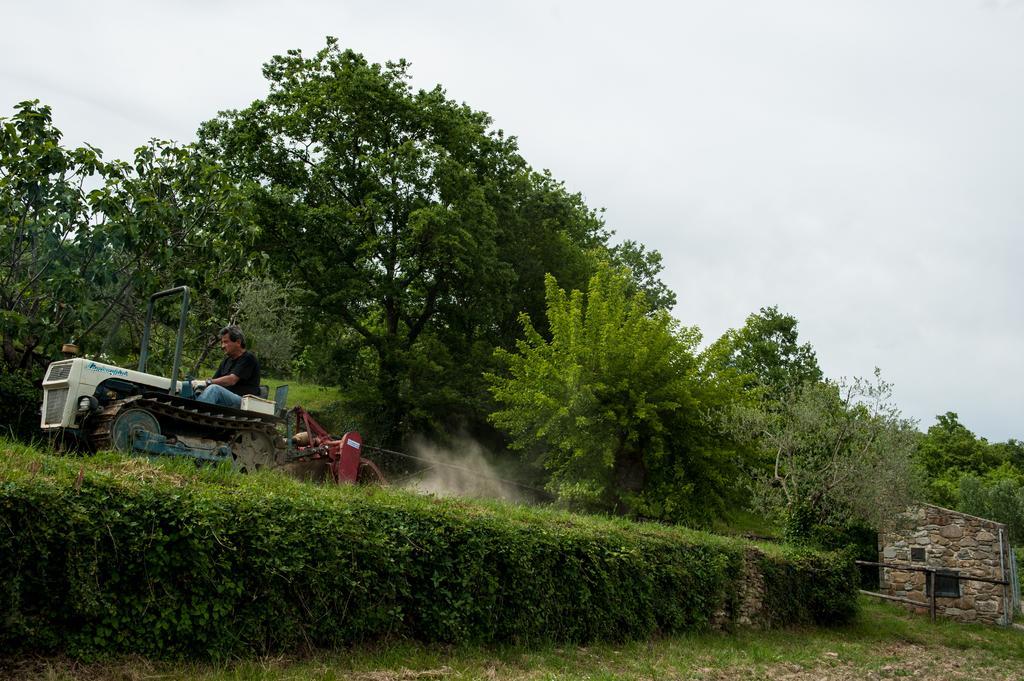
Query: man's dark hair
x=234, y=333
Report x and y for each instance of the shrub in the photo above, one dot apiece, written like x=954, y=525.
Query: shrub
x=20, y=397
x=803, y=585
x=105, y=555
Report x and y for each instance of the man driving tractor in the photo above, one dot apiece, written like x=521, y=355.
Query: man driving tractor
x=237, y=375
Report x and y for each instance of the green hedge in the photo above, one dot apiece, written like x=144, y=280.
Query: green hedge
x=104, y=555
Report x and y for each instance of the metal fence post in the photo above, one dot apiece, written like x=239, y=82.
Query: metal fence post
x=931, y=589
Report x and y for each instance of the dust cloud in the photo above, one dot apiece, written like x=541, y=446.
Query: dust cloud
x=461, y=470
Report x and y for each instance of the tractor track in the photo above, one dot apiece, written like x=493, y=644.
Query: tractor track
x=220, y=426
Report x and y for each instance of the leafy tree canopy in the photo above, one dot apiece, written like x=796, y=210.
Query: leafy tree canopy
x=644, y=267
x=1000, y=499
x=964, y=470
x=840, y=454
x=613, y=405
x=950, y=446
x=766, y=350
x=47, y=236
x=413, y=225
x=84, y=240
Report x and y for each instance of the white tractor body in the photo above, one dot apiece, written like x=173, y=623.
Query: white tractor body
x=68, y=381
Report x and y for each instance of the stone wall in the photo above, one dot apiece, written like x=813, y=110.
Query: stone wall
x=952, y=541
x=750, y=599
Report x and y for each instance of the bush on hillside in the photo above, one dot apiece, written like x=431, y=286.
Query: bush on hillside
x=20, y=397
x=105, y=555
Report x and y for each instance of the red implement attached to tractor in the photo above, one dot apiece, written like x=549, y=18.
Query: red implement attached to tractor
x=312, y=447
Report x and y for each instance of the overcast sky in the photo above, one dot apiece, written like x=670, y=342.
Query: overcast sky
x=858, y=163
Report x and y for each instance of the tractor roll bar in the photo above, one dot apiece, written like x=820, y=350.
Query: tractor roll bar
x=144, y=350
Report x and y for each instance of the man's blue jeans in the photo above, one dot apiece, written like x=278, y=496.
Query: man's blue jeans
x=215, y=394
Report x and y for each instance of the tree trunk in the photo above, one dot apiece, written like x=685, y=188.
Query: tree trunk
x=393, y=407
x=630, y=476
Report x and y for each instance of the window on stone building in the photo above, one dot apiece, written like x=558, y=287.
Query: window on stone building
x=917, y=555
x=947, y=583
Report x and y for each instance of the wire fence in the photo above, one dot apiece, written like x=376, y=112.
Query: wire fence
x=931, y=591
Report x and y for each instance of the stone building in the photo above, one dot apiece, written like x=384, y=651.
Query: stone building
x=958, y=546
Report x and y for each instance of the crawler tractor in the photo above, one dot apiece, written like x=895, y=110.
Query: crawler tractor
x=102, y=406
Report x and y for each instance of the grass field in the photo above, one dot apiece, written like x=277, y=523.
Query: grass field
x=309, y=396
x=884, y=643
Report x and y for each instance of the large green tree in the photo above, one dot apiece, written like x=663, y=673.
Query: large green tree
x=949, y=452
x=1011, y=451
x=644, y=266
x=839, y=453
x=52, y=242
x=614, y=406
x=949, y=447
x=83, y=241
x=767, y=350
x=45, y=250
x=418, y=231
x=998, y=496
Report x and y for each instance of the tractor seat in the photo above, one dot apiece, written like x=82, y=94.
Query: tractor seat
x=280, y=397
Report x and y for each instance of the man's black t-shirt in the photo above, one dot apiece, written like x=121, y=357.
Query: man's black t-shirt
x=246, y=368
